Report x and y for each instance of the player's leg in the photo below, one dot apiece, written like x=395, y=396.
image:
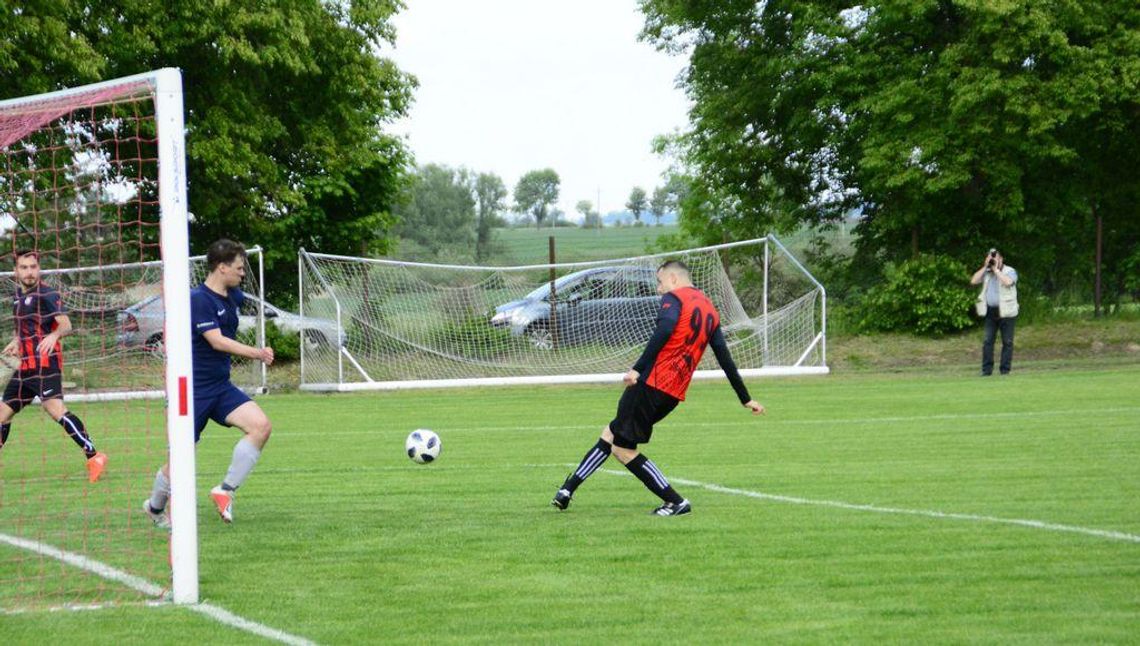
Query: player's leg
x=6, y=415
x=255, y=426
x=156, y=505
x=600, y=452
x=13, y=401
x=651, y=408
x=51, y=396
x=590, y=463
x=71, y=424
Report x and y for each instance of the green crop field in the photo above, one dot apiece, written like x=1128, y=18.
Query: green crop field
x=905, y=508
x=523, y=246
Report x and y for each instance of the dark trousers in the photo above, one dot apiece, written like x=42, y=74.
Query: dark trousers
x=995, y=322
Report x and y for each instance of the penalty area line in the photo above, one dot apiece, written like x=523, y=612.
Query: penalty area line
x=221, y=615
x=926, y=513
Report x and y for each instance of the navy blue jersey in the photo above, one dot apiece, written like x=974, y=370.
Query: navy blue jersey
x=35, y=311
x=212, y=311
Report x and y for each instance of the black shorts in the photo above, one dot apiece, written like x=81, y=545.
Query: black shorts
x=26, y=385
x=639, y=408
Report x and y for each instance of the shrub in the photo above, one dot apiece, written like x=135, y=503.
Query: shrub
x=475, y=333
x=927, y=295
x=286, y=345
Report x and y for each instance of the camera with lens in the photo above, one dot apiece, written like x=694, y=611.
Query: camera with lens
x=991, y=261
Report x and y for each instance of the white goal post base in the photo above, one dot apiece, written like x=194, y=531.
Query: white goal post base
x=601, y=378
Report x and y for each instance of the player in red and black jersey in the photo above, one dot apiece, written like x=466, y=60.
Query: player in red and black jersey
x=41, y=322
x=687, y=323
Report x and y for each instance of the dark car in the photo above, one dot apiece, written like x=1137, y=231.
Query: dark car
x=609, y=305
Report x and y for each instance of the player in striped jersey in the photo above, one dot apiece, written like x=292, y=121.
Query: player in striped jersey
x=687, y=323
x=41, y=321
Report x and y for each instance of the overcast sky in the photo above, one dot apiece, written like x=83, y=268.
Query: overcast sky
x=509, y=86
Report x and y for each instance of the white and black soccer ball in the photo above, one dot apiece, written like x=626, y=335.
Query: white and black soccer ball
x=423, y=446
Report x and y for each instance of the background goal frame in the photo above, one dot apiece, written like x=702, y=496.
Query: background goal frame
x=352, y=373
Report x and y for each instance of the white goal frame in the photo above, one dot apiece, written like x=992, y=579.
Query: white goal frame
x=352, y=377
x=165, y=88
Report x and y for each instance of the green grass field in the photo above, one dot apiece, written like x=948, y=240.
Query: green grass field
x=816, y=523
x=530, y=246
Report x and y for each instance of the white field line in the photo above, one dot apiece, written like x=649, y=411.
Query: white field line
x=1023, y=522
x=149, y=589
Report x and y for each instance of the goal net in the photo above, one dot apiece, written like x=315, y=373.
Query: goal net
x=93, y=180
x=413, y=325
x=122, y=323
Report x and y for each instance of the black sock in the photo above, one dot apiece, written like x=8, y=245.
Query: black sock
x=78, y=434
x=4, y=429
x=590, y=463
x=653, y=479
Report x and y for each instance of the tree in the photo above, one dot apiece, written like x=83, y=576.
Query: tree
x=660, y=203
x=535, y=192
x=590, y=218
x=438, y=212
x=637, y=202
x=953, y=126
x=285, y=104
x=490, y=201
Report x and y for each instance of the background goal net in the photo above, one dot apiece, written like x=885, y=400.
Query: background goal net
x=93, y=180
x=425, y=325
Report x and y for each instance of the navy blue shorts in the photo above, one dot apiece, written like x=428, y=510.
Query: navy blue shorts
x=216, y=404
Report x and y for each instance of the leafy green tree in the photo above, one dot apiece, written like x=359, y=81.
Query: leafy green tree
x=535, y=192
x=438, y=213
x=490, y=202
x=953, y=125
x=285, y=104
x=591, y=219
x=637, y=202
x=659, y=204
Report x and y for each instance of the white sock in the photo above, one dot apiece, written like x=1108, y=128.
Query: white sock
x=160, y=493
x=245, y=457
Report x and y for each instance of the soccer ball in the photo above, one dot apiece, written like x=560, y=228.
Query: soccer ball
x=423, y=446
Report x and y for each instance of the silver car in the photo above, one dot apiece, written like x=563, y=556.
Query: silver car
x=141, y=324
x=608, y=305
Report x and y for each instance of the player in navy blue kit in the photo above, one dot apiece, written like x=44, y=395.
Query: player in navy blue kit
x=214, y=307
x=687, y=323
x=41, y=321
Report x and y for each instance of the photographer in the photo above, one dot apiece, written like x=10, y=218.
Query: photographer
x=997, y=303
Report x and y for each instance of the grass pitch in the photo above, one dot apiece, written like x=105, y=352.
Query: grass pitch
x=818, y=522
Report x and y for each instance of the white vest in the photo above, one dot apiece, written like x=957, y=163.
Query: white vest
x=1007, y=296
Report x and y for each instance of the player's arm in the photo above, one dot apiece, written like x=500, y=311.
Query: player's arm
x=724, y=358
x=13, y=348
x=62, y=329
x=667, y=317
x=221, y=343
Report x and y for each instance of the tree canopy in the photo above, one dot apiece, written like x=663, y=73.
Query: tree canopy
x=285, y=105
x=637, y=202
x=535, y=192
x=951, y=126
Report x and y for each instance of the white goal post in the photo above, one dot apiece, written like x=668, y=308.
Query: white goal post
x=93, y=178
x=423, y=325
